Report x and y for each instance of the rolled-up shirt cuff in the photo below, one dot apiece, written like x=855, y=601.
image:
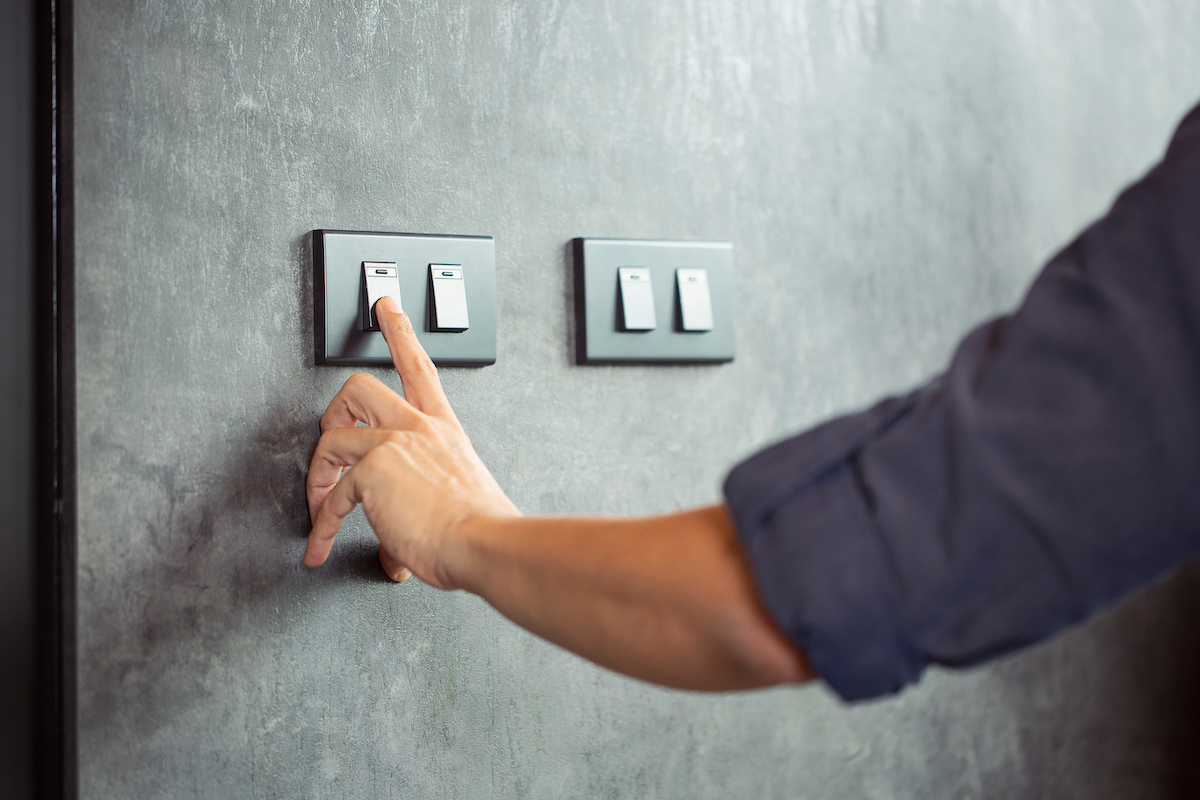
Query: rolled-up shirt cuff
x=802, y=514
x=1049, y=472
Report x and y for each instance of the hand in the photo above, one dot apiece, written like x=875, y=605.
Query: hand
x=623, y=593
x=413, y=469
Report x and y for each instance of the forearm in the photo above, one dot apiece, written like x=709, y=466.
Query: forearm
x=667, y=599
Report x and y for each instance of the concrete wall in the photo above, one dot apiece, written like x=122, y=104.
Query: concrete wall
x=889, y=173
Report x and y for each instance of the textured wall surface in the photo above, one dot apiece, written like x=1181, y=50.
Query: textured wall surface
x=889, y=174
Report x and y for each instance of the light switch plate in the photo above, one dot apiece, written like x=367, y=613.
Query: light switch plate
x=599, y=337
x=339, y=295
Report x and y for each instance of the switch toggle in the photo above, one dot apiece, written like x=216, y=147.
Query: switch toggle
x=449, y=298
x=637, y=298
x=695, y=304
x=380, y=279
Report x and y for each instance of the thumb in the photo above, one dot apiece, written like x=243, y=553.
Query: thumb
x=394, y=569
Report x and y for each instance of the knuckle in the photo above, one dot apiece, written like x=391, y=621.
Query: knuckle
x=421, y=423
x=323, y=443
x=370, y=461
x=381, y=455
x=360, y=380
x=404, y=323
x=421, y=365
x=393, y=447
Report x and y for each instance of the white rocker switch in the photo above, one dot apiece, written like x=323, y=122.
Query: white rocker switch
x=380, y=279
x=637, y=298
x=695, y=304
x=449, y=298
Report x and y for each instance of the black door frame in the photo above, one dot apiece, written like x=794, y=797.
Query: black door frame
x=55, y=760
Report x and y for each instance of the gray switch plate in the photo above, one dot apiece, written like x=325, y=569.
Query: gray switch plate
x=599, y=338
x=339, y=295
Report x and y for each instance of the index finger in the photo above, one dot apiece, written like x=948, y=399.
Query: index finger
x=422, y=388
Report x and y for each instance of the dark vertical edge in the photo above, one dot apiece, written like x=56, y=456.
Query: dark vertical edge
x=491, y=240
x=56, y=761
x=677, y=304
x=318, y=262
x=430, y=306
x=576, y=249
x=732, y=306
x=68, y=515
x=19, y=132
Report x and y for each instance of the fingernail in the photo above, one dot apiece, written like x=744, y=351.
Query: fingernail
x=388, y=304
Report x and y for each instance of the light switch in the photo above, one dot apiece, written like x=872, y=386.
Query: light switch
x=637, y=298
x=695, y=304
x=449, y=312
x=339, y=295
x=380, y=279
x=695, y=317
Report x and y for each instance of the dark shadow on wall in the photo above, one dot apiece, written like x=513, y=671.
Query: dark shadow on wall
x=207, y=528
x=1142, y=667
x=225, y=573
x=269, y=472
x=1180, y=703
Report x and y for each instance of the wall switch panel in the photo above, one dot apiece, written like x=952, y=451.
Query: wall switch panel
x=446, y=285
x=687, y=285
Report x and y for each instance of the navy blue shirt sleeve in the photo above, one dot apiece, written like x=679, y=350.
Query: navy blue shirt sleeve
x=1053, y=468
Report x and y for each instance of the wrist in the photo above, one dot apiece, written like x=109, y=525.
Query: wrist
x=470, y=550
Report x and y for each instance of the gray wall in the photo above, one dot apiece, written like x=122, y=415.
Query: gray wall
x=889, y=174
